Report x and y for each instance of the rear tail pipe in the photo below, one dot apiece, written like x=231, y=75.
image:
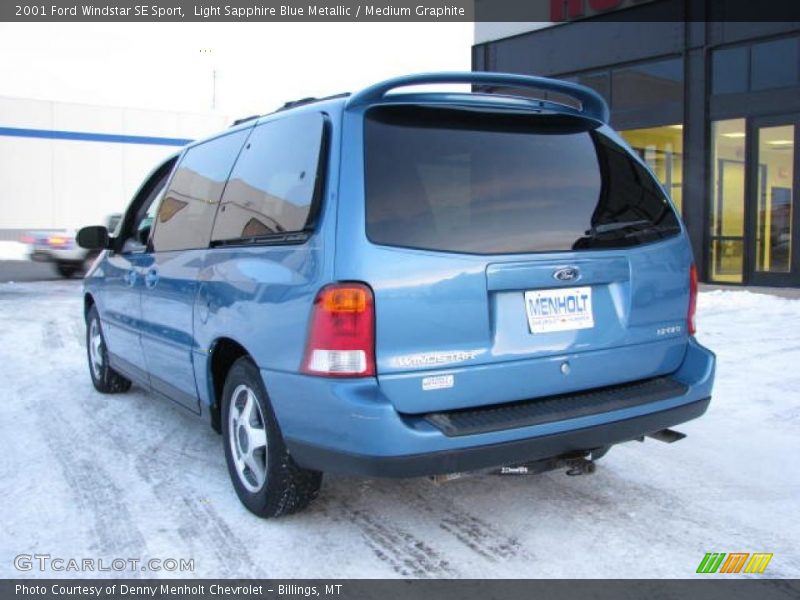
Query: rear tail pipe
x=668, y=436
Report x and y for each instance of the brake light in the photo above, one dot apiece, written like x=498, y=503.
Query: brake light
x=341, y=338
x=692, y=300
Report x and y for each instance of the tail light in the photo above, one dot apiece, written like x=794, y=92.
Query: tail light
x=341, y=339
x=58, y=241
x=692, y=300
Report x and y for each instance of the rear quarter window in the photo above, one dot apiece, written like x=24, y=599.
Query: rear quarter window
x=464, y=181
x=274, y=184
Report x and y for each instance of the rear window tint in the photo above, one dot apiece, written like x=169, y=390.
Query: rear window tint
x=462, y=181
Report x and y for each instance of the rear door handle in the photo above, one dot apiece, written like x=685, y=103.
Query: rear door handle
x=151, y=278
x=130, y=277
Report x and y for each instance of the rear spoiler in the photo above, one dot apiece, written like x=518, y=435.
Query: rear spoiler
x=592, y=104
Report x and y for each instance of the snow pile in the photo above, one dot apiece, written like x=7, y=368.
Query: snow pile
x=757, y=341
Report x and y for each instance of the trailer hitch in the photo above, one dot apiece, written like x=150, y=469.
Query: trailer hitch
x=577, y=464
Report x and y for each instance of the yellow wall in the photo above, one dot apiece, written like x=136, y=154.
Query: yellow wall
x=662, y=149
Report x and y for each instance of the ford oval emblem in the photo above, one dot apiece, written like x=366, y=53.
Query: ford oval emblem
x=567, y=274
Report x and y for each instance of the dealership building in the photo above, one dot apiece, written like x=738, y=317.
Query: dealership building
x=64, y=165
x=713, y=107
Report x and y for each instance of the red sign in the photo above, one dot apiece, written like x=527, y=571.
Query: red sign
x=567, y=10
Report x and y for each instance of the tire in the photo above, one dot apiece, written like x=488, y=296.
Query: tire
x=104, y=378
x=267, y=480
x=66, y=270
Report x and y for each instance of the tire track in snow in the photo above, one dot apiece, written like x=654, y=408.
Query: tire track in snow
x=597, y=509
x=476, y=534
x=479, y=536
x=77, y=332
x=51, y=335
x=403, y=552
x=95, y=492
x=406, y=554
x=199, y=525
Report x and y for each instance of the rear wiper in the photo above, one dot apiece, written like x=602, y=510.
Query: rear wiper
x=621, y=226
x=631, y=229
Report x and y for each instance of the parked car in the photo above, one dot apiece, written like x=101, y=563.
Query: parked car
x=402, y=285
x=60, y=248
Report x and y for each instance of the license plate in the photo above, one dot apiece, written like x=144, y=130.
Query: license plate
x=562, y=309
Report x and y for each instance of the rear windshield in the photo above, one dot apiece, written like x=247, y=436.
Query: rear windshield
x=464, y=181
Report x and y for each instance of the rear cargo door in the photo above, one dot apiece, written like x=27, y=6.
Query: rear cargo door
x=522, y=255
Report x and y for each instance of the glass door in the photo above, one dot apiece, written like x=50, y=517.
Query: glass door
x=774, y=242
x=727, y=223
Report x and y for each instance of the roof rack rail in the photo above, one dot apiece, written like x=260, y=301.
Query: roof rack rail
x=592, y=104
x=310, y=100
x=244, y=120
x=300, y=102
x=291, y=104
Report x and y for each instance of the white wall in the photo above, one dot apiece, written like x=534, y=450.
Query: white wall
x=46, y=183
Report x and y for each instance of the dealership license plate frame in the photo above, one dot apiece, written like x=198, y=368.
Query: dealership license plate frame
x=546, y=321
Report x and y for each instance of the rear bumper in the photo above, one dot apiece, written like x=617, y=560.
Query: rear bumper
x=349, y=426
x=494, y=455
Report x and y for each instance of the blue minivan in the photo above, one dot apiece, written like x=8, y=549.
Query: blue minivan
x=405, y=283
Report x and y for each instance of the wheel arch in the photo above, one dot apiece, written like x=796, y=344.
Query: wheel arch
x=88, y=303
x=224, y=351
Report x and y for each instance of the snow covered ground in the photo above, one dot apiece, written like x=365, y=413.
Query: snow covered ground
x=128, y=476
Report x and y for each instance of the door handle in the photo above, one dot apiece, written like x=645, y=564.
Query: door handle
x=151, y=278
x=130, y=278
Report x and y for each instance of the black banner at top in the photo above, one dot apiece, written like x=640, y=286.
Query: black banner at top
x=553, y=11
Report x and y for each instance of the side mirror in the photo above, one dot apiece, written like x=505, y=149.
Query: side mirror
x=94, y=237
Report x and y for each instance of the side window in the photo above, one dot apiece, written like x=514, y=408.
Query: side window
x=274, y=182
x=144, y=226
x=136, y=241
x=134, y=230
x=186, y=212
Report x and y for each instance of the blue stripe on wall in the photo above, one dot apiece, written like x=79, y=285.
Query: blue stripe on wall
x=82, y=136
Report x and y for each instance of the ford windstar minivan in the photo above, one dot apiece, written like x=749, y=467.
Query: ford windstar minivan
x=403, y=283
